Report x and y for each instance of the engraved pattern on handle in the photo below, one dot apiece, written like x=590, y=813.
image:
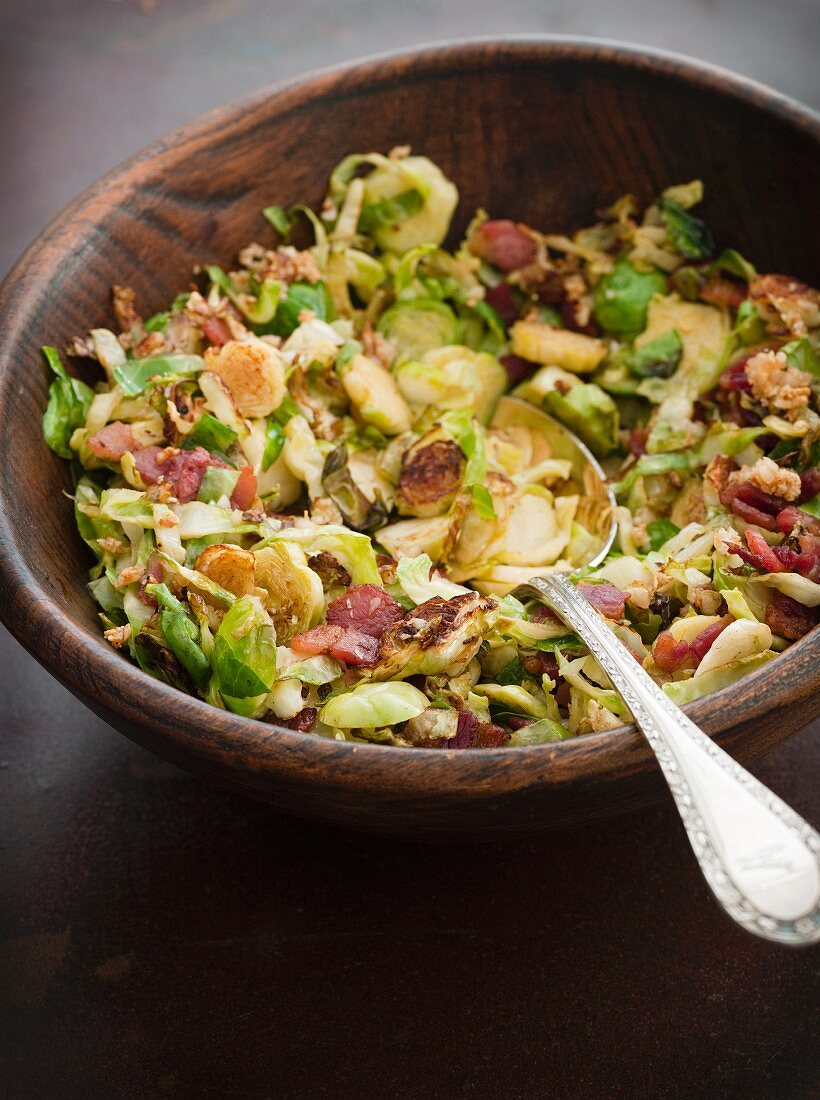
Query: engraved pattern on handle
x=760, y=858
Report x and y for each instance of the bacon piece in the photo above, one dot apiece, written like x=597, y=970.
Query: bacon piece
x=637, y=441
x=809, y=483
x=516, y=367
x=503, y=244
x=182, y=470
x=543, y=614
x=734, y=378
x=790, y=618
x=541, y=664
x=670, y=654
x=606, y=598
x=769, y=560
x=474, y=733
x=316, y=641
x=111, y=442
x=154, y=574
x=752, y=504
x=501, y=299
x=366, y=608
x=347, y=644
x=701, y=645
x=718, y=291
x=244, y=492
x=303, y=722
x=215, y=330
x=788, y=518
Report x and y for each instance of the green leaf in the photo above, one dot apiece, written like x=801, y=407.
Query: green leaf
x=482, y=502
x=687, y=234
x=158, y=322
x=348, y=350
x=301, y=296
x=210, y=433
x=376, y=215
x=733, y=263
x=800, y=354
x=492, y=318
x=274, y=442
x=652, y=464
x=68, y=403
x=134, y=376
x=622, y=298
x=660, y=531
x=244, y=652
x=217, y=482
x=657, y=359
x=279, y=218
x=811, y=506
x=512, y=673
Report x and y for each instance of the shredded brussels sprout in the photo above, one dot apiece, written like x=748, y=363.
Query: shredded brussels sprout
x=310, y=485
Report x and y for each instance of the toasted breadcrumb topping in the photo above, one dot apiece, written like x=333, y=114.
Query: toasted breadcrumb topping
x=767, y=476
x=777, y=384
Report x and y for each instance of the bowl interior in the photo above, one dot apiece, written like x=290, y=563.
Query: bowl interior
x=544, y=133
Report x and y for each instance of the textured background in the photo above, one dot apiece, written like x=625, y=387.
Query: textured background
x=162, y=938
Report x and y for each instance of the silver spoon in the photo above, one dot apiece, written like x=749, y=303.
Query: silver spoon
x=760, y=858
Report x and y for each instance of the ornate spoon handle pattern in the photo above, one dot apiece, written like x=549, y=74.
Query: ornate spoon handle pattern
x=760, y=858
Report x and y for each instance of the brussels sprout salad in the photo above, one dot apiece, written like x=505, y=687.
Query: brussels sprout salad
x=305, y=508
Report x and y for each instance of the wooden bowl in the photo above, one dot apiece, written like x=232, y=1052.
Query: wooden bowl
x=546, y=131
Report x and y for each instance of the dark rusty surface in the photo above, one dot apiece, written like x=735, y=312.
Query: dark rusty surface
x=159, y=937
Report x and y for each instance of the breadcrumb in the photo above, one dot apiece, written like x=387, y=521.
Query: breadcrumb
x=786, y=305
x=118, y=636
x=777, y=384
x=767, y=476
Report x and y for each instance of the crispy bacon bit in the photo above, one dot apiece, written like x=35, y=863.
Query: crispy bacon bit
x=154, y=574
x=744, y=498
x=788, y=518
x=734, y=378
x=215, y=330
x=501, y=299
x=244, y=492
x=541, y=664
x=809, y=483
x=113, y=441
x=606, y=598
x=670, y=654
x=303, y=722
x=637, y=441
x=475, y=733
x=365, y=607
x=758, y=553
x=347, y=644
x=151, y=344
x=789, y=618
x=329, y=569
x=503, y=244
x=703, y=642
x=543, y=614
x=182, y=470
x=516, y=367
x=719, y=291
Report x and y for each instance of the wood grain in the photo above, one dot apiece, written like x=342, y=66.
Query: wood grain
x=541, y=131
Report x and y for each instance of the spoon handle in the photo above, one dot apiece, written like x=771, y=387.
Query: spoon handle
x=760, y=858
